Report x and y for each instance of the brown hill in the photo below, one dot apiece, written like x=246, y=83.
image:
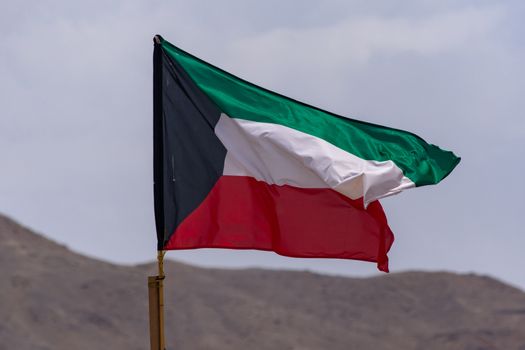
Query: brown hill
x=52, y=298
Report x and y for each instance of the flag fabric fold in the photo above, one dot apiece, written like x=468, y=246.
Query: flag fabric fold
x=238, y=166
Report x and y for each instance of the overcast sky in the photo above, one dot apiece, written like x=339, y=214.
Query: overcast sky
x=76, y=115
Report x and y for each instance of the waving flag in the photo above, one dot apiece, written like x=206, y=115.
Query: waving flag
x=238, y=166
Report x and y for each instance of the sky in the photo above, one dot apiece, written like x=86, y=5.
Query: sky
x=76, y=115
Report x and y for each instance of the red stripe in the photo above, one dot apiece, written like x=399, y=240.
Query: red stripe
x=243, y=213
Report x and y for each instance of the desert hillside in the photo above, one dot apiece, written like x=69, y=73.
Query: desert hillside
x=52, y=298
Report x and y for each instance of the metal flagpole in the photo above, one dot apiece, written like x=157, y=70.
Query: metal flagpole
x=155, y=283
x=156, y=306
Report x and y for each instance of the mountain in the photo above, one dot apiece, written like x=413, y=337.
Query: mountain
x=52, y=298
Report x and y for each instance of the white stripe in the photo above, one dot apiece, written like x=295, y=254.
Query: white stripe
x=280, y=155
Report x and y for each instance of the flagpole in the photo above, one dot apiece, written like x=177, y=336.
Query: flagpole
x=156, y=305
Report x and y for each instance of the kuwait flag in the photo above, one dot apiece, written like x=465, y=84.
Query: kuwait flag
x=238, y=166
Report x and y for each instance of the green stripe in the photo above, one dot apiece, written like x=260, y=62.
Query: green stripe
x=421, y=162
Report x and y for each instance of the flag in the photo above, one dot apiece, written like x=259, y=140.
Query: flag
x=238, y=166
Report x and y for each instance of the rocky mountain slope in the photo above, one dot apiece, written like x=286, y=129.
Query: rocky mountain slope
x=52, y=298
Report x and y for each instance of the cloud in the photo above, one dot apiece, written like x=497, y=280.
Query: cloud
x=358, y=40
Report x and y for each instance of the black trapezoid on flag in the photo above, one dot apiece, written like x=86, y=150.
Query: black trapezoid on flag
x=188, y=156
